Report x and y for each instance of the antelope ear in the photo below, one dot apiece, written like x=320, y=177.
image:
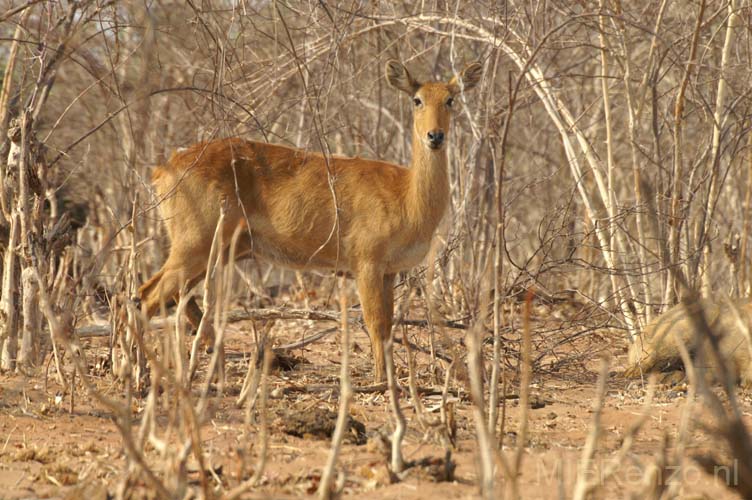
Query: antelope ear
x=467, y=79
x=399, y=78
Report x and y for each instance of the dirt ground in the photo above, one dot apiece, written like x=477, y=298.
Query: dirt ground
x=48, y=452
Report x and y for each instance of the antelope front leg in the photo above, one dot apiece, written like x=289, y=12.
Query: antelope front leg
x=389, y=302
x=371, y=283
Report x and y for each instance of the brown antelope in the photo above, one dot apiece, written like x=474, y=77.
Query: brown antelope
x=657, y=349
x=383, y=223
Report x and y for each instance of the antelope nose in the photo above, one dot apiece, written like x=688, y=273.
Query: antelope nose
x=436, y=137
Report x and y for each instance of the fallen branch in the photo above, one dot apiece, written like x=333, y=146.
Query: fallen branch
x=307, y=340
x=266, y=314
x=364, y=389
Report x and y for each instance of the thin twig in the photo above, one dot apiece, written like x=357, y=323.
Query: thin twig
x=345, y=398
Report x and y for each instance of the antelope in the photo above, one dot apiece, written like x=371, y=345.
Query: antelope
x=730, y=320
x=280, y=197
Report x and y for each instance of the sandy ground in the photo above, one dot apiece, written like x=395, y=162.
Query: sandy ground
x=48, y=452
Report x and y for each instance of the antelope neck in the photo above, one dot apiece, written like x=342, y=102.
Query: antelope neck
x=428, y=192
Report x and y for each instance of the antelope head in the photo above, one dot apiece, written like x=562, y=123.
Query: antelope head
x=432, y=101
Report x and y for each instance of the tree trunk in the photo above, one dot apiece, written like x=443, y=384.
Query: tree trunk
x=9, y=301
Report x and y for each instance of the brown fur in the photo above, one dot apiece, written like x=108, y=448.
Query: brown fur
x=386, y=219
x=657, y=349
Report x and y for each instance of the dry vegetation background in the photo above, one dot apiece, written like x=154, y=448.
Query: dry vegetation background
x=604, y=163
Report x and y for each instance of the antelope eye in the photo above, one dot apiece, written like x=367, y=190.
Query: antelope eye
x=449, y=102
x=417, y=101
